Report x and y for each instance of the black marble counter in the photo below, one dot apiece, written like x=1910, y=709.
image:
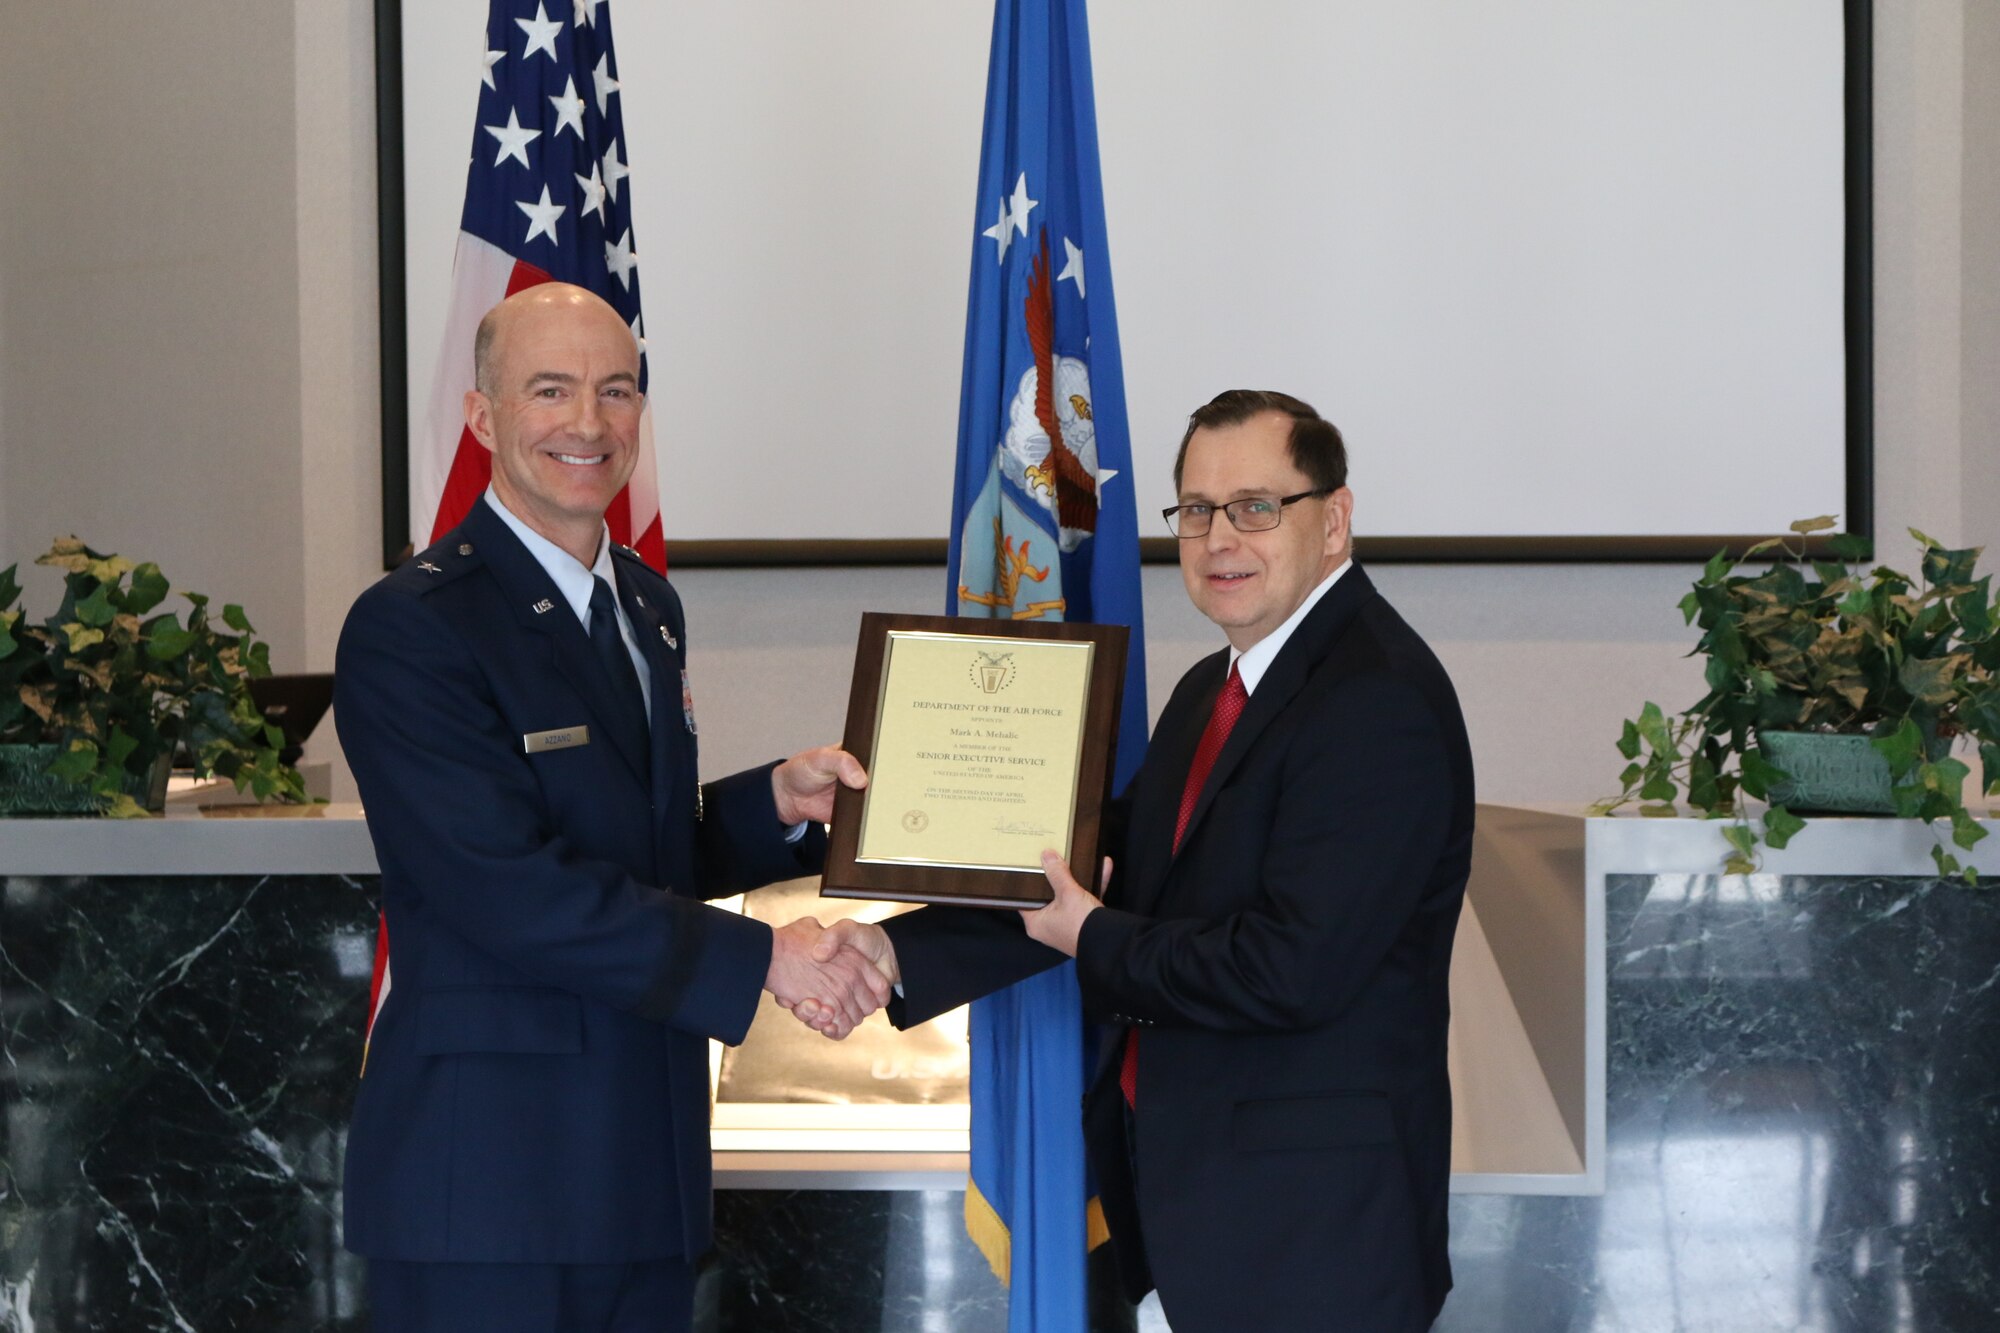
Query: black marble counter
x=1803, y=1123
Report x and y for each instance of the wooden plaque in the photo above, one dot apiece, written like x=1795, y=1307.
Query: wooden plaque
x=985, y=742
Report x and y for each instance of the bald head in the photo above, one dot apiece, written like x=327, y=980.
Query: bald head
x=532, y=304
x=558, y=406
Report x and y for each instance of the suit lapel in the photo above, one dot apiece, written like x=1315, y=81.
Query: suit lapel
x=1282, y=681
x=541, y=608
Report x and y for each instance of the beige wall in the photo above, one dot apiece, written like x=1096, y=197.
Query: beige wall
x=1979, y=310
x=187, y=352
x=149, y=340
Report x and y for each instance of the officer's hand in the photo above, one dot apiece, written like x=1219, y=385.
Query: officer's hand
x=803, y=785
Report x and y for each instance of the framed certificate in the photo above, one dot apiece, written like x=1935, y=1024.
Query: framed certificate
x=986, y=742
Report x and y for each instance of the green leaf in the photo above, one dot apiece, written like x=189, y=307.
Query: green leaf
x=1653, y=726
x=1628, y=739
x=1780, y=825
x=1947, y=775
x=149, y=589
x=232, y=616
x=1704, y=792
x=1925, y=539
x=1974, y=611
x=168, y=641
x=1965, y=830
x=1742, y=837
x=96, y=610
x=77, y=763
x=1659, y=785
x=1903, y=747
x=1806, y=526
x=1856, y=604
x=119, y=749
x=1689, y=605
x=10, y=588
x=1949, y=569
x=8, y=643
x=1760, y=774
x=1718, y=564
x=1850, y=546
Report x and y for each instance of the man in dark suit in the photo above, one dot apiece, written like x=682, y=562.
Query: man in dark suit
x=529, y=1147
x=1271, y=1122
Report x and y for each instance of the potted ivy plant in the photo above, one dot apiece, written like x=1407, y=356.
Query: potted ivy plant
x=1830, y=689
x=96, y=700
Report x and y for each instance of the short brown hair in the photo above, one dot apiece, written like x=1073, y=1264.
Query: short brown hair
x=1316, y=447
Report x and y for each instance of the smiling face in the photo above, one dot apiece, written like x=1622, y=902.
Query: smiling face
x=559, y=411
x=1249, y=583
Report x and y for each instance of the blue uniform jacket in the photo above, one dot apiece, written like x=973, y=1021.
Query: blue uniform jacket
x=536, y=1089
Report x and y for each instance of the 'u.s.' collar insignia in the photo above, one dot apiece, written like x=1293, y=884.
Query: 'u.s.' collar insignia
x=543, y=606
x=668, y=635
x=428, y=567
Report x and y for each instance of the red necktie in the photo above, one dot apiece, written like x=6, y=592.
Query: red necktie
x=1228, y=707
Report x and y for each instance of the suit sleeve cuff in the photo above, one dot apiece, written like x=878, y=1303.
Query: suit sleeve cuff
x=713, y=975
x=1101, y=949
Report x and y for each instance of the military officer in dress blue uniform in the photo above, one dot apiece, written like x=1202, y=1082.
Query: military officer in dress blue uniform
x=530, y=1141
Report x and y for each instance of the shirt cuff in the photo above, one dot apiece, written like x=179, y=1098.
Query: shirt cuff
x=796, y=831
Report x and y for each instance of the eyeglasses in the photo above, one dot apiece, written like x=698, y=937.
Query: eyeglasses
x=1253, y=513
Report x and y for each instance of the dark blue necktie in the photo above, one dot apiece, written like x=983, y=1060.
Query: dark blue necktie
x=610, y=645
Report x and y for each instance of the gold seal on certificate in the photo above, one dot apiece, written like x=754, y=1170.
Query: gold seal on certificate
x=986, y=742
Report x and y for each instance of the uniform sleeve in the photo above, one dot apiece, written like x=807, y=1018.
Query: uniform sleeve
x=741, y=844
x=458, y=820
x=1364, y=810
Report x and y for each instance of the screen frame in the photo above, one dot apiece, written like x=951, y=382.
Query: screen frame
x=1858, y=341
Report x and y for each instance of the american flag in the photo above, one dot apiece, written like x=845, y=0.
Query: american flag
x=546, y=197
x=545, y=200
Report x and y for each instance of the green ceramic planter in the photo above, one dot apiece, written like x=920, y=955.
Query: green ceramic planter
x=1832, y=774
x=27, y=788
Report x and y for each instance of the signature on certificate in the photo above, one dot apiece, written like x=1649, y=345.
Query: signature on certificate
x=1021, y=828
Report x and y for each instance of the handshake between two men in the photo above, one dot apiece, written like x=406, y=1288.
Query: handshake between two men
x=832, y=977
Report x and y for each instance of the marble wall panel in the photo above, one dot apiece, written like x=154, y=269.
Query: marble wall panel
x=1803, y=1128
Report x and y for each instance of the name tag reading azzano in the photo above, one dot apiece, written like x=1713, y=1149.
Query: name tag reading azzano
x=986, y=743
x=564, y=738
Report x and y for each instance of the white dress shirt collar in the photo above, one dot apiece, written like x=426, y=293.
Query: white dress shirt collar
x=568, y=573
x=1254, y=661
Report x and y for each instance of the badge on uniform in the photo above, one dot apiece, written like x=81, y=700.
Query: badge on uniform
x=562, y=738
x=687, y=701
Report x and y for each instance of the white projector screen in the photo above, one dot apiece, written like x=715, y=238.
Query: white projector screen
x=1555, y=267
